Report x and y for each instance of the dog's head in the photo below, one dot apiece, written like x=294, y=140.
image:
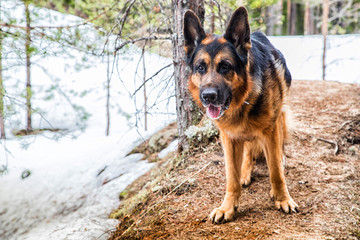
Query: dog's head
x=219, y=64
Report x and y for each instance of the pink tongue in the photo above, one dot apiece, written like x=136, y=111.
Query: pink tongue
x=213, y=111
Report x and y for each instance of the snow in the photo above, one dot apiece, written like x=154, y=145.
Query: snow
x=169, y=149
x=304, y=56
x=76, y=176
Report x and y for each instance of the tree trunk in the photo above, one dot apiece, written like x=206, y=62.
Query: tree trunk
x=212, y=26
x=324, y=30
x=108, y=95
x=273, y=15
x=270, y=20
x=2, y=90
x=186, y=110
x=307, y=20
x=288, y=17
x=28, y=64
x=279, y=21
x=317, y=16
x=144, y=83
x=293, y=18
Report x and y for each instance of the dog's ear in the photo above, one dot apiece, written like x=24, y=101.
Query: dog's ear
x=238, y=30
x=193, y=32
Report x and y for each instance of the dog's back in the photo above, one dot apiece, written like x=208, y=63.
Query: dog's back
x=264, y=50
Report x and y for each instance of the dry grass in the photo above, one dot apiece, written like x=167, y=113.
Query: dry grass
x=326, y=186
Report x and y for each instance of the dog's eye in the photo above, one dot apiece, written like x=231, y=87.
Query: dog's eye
x=201, y=68
x=225, y=66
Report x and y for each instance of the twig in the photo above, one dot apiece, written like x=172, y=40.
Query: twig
x=344, y=124
x=109, y=180
x=169, y=65
x=161, y=200
x=140, y=39
x=333, y=143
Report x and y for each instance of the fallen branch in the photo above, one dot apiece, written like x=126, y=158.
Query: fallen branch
x=344, y=124
x=109, y=180
x=333, y=143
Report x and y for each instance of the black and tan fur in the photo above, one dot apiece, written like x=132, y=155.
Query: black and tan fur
x=245, y=79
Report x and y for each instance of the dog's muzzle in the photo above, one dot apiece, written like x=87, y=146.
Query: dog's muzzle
x=215, y=101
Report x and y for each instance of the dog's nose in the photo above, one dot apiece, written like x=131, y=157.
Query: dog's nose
x=209, y=95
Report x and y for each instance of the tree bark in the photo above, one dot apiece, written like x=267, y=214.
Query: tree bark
x=212, y=26
x=270, y=20
x=293, y=18
x=2, y=90
x=144, y=84
x=186, y=110
x=279, y=23
x=324, y=30
x=307, y=18
x=108, y=95
x=288, y=17
x=28, y=65
x=273, y=15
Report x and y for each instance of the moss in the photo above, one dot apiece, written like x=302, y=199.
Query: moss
x=132, y=204
x=123, y=194
x=202, y=134
x=134, y=197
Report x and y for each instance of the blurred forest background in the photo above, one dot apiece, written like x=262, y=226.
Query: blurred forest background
x=274, y=17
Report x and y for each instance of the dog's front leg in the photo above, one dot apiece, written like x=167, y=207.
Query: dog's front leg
x=273, y=151
x=233, y=151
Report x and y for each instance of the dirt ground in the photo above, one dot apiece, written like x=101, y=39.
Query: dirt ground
x=322, y=171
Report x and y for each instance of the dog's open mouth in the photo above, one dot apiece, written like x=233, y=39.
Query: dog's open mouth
x=215, y=112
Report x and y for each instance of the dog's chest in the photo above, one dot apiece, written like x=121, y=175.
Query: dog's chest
x=240, y=135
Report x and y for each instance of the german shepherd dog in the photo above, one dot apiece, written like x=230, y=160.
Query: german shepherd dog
x=241, y=80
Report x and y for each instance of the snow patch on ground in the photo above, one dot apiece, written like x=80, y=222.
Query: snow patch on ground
x=76, y=177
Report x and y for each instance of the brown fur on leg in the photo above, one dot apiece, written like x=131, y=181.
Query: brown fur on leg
x=253, y=151
x=233, y=150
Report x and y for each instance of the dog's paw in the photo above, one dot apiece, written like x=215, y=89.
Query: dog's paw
x=287, y=206
x=246, y=181
x=219, y=215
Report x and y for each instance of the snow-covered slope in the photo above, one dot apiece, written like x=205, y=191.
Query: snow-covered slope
x=64, y=197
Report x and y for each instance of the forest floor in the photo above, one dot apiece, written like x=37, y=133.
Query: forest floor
x=322, y=170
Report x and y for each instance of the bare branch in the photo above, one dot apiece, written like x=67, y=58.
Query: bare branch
x=140, y=39
x=333, y=143
x=150, y=78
